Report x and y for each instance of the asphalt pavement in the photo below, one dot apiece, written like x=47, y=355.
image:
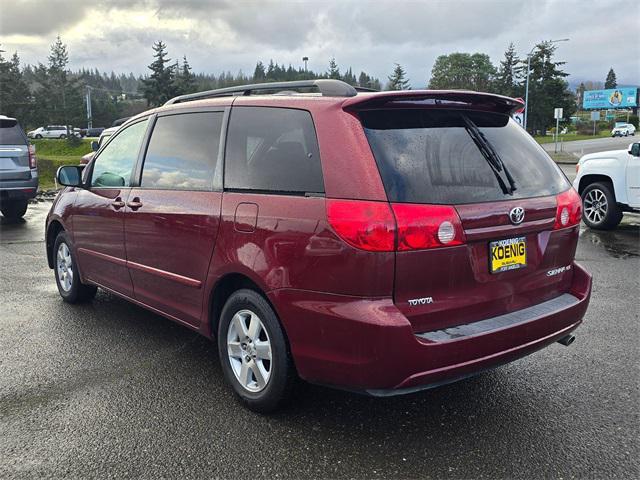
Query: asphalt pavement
x=109, y=390
x=582, y=147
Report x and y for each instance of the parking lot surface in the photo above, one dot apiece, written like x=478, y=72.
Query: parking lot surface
x=582, y=147
x=110, y=390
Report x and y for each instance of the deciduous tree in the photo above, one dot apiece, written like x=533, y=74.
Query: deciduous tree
x=463, y=71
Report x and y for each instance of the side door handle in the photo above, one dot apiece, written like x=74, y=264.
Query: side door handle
x=117, y=203
x=135, y=203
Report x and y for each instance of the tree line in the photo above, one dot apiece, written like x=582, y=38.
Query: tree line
x=50, y=93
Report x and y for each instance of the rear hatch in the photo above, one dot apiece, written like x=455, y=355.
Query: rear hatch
x=14, y=151
x=475, y=200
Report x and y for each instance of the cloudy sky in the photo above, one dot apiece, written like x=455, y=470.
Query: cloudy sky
x=219, y=35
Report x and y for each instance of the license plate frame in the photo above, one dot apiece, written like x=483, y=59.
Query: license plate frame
x=514, y=257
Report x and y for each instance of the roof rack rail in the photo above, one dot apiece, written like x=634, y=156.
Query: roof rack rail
x=366, y=89
x=326, y=87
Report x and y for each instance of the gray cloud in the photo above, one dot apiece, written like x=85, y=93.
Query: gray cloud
x=32, y=17
x=231, y=35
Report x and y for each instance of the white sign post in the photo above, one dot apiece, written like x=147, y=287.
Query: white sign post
x=557, y=114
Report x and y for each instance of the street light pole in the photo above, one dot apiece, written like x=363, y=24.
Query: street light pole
x=526, y=92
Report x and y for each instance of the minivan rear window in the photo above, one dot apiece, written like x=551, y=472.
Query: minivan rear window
x=11, y=133
x=430, y=156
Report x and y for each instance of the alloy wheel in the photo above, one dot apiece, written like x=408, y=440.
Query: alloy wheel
x=249, y=351
x=64, y=267
x=595, y=206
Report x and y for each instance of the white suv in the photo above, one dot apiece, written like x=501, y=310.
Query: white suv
x=609, y=184
x=51, y=131
x=623, y=130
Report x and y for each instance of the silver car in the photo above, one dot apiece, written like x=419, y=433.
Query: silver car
x=18, y=169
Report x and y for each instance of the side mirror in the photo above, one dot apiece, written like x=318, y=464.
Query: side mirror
x=634, y=149
x=70, y=175
x=94, y=146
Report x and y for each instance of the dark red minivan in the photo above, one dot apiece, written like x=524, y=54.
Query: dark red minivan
x=381, y=242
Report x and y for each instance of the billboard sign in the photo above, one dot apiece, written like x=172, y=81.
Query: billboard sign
x=625, y=97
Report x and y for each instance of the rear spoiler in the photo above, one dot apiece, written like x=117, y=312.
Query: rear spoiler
x=439, y=98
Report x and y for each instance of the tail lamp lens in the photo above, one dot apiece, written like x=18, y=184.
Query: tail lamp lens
x=427, y=226
x=371, y=225
x=362, y=224
x=569, y=209
x=33, y=163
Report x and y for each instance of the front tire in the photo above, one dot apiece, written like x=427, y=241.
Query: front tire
x=599, y=208
x=38, y=136
x=71, y=289
x=253, y=351
x=63, y=136
x=14, y=209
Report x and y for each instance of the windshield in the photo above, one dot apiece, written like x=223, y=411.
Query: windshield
x=433, y=156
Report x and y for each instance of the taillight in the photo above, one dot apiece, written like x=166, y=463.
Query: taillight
x=33, y=163
x=371, y=225
x=362, y=224
x=569, y=209
x=427, y=226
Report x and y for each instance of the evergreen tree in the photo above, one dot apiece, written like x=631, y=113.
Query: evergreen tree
x=259, y=75
x=509, y=73
x=548, y=89
x=58, y=94
x=349, y=77
x=398, y=80
x=334, y=71
x=159, y=88
x=185, y=80
x=15, y=99
x=611, y=81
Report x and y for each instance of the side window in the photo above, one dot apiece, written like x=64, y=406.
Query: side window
x=272, y=149
x=183, y=152
x=112, y=168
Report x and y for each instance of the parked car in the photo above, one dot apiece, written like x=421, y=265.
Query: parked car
x=18, y=169
x=52, y=131
x=95, y=145
x=94, y=132
x=609, y=185
x=379, y=242
x=623, y=130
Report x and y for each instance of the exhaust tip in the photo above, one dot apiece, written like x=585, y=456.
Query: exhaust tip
x=567, y=340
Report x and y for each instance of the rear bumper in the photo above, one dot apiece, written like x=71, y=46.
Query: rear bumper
x=368, y=345
x=18, y=189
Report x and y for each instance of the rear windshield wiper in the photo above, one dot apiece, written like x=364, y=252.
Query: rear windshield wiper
x=493, y=159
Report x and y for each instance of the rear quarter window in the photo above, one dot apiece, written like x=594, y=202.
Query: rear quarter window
x=428, y=156
x=272, y=150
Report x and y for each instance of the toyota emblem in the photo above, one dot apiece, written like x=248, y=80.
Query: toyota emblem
x=516, y=215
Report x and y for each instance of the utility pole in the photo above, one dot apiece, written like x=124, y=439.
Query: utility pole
x=89, y=113
x=526, y=92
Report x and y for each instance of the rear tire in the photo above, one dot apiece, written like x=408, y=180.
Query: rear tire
x=14, y=209
x=65, y=267
x=63, y=136
x=253, y=351
x=599, y=208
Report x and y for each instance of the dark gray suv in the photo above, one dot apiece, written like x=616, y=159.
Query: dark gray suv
x=18, y=169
